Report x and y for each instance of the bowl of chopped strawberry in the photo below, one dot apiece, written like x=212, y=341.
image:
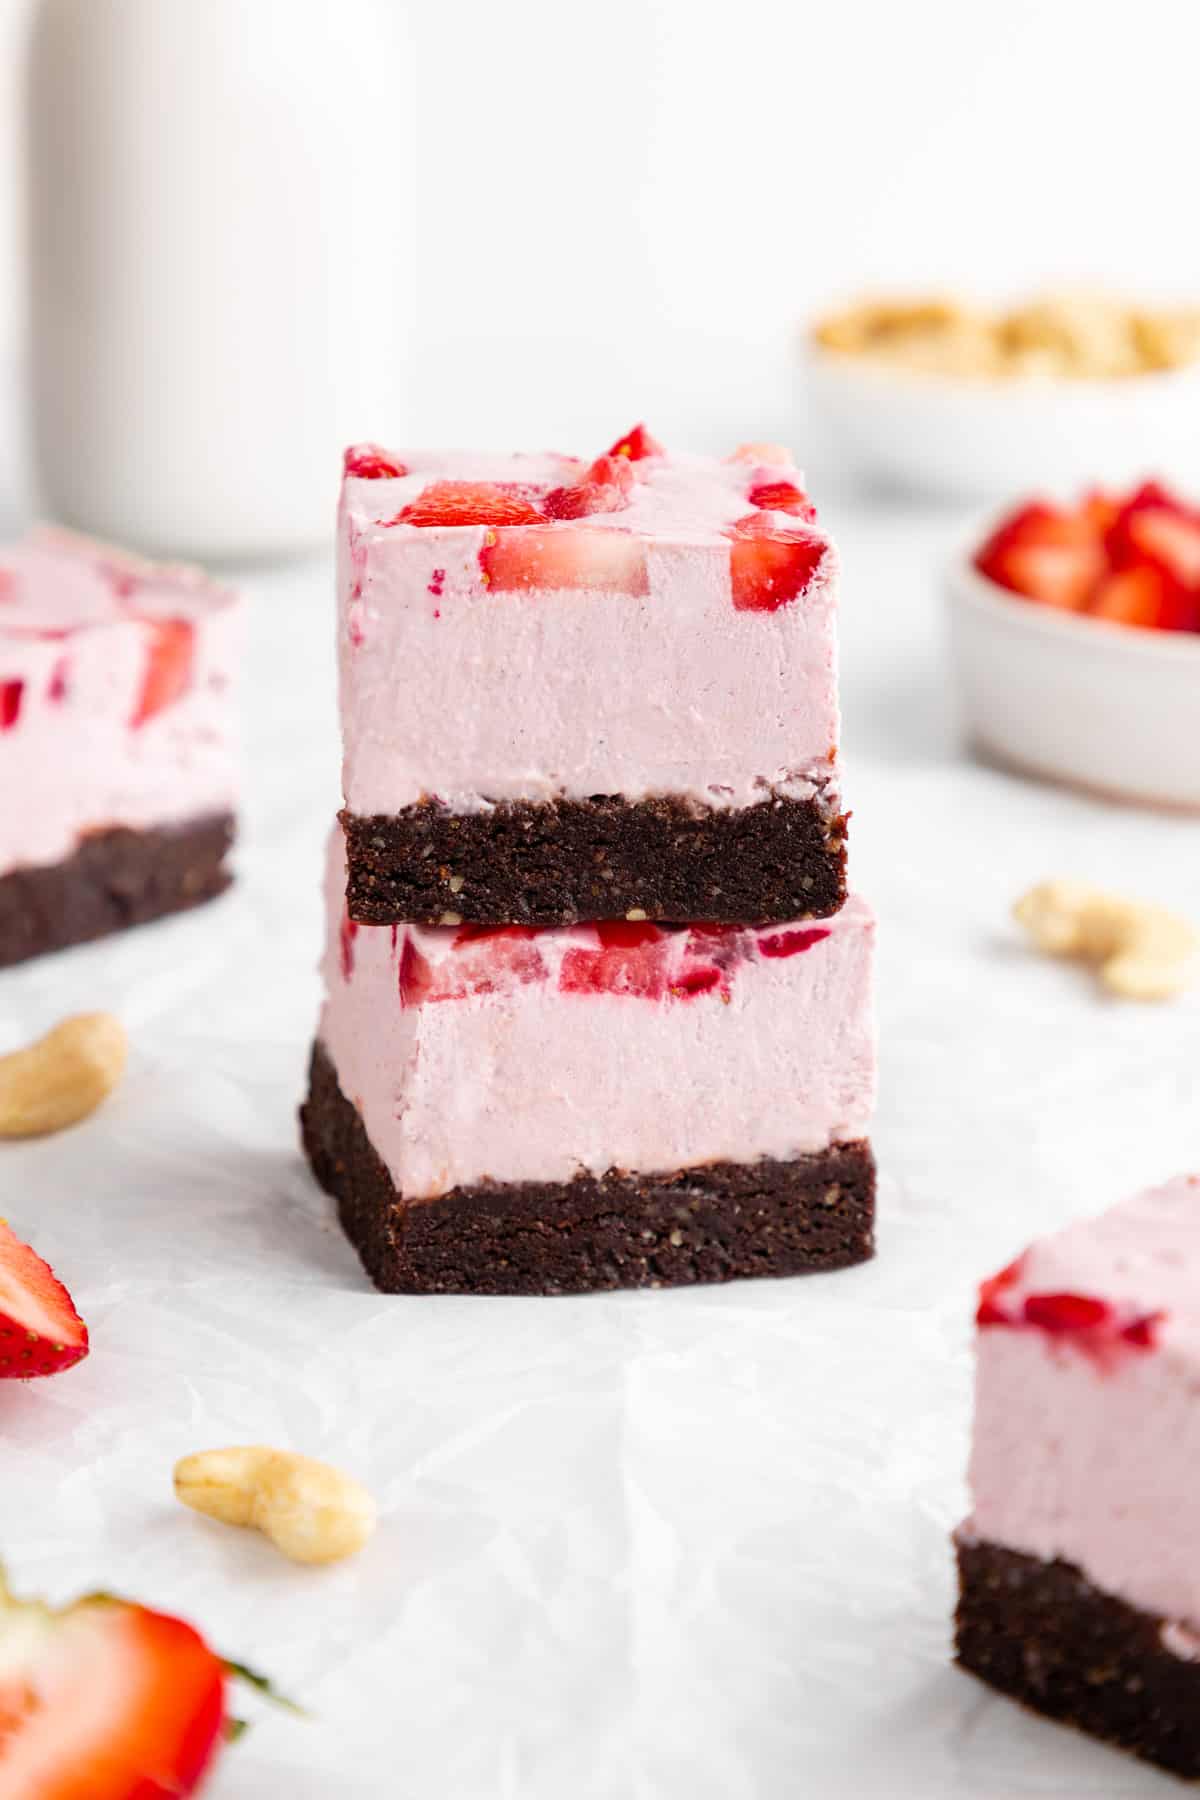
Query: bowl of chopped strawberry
x=1075, y=635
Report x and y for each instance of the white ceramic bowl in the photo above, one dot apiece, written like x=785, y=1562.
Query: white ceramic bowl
x=985, y=439
x=1107, y=707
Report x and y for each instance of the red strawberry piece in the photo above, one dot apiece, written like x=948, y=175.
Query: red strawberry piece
x=770, y=567
x=637, y=445
x=690, y=982
x=991, y=1309
x=1141, y=596
x=471, y=503
x=784, y=497
x=631, y=960
x=11, y=694
x=168, y=667
x=414, y=975
x=790, y=943
x=1142, y=1332
x=105, y=1700
x=40, y=1331
x=562, y=556
x=57, y=691
x=347, y=932
x=492, y=961
x=370, y=463
x=469, y=934
x=604, y=488
x=1064, y=1313
x=1047, y=555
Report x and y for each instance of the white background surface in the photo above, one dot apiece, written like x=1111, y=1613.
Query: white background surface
x=672, y=1546
x=675, y=1546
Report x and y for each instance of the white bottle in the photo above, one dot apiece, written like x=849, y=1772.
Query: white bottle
x=222, y=200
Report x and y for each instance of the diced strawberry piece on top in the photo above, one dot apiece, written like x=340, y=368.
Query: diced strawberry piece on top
x=370, y=463
x=168, y=667
x=604, y=488
x=562, y=556
x=637, y=445
x=770, y=567
x=784, y=497
x=471, y=503
x=1141, y=596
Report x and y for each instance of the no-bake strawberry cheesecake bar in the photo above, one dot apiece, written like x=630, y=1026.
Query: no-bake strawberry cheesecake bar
x=1080, y=1563
x=116, y=764
x=617, y=1104
x=580, y=691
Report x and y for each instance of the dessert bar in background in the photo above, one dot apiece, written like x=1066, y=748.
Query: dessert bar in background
x=116, y=729
x=1079, y=1572
x=581, y=692
x=510, y=1110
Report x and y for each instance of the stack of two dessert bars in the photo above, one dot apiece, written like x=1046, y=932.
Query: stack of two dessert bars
x=598, y=1010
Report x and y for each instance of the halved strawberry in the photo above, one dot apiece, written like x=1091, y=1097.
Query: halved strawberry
x=370, y=463
x=637, y=445
x=1045, y=554
x=471, y=503
x=785, y=497
x=168, y=667
x=105, y=1700
x=603, y=488
x=560, y=556
x=771, y=566
x=11, y=694
x=40, y=1331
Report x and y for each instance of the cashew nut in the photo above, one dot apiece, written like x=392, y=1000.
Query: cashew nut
x=1143, y=952
x=310, y=1511
x=62, y=1077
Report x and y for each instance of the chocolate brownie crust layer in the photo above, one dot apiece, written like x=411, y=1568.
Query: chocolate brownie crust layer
x=723, y=1222
x=114, y=879
x=1040, y=1632
x=555, y=862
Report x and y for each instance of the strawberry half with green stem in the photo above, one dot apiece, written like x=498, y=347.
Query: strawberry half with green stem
x=107, y=1700
x=40, y=1331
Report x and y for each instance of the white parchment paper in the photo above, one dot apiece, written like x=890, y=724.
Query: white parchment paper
x=685, y=1545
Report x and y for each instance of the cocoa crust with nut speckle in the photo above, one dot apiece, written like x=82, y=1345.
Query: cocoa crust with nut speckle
x=718, y=1222
x=559, y=861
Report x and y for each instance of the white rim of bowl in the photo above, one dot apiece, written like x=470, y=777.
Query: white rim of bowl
x=970, y=587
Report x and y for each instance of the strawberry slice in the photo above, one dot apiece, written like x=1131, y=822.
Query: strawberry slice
x=559, y=556
x=11, y=694
x=168, y=667
x=604, y=488
x=1141, y=596
x=370, y=463
x=637, y=445
x=40, y=1331
x=771, y=566
x=784, y=497
x=105, y=1700
x=471, y=503
x=1047, y=555
x=631, y=960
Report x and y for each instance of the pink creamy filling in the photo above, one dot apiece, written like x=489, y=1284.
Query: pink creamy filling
x=517, y=1055
x=618, y=619
x=115, y=700
x=1087, y=1424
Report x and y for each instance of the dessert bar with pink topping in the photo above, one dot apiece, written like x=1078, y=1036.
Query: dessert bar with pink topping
x=116, y=730
x=616, y=1104
x=576, y=691
x=1079, y=1565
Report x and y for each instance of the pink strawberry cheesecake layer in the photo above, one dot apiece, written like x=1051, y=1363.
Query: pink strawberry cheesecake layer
x=116, y=739
x=1080, y=1560
x=574, y=690
x=542, y=1080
